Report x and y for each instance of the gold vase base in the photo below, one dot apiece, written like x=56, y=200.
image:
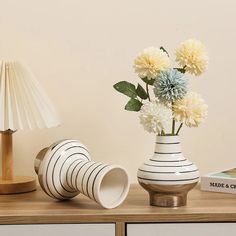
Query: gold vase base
x=19, y=184
x=168, y=195
x=164, y=200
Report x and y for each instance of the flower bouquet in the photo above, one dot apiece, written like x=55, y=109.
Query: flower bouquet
x=165, y=105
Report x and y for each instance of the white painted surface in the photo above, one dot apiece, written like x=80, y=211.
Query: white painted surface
x=58, y=230
x=182, y=229
x=168, y=165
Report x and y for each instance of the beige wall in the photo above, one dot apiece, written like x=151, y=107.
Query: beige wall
x=79, y=49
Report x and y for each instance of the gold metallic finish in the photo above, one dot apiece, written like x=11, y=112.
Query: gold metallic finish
x=39, y=159
x=168, y=195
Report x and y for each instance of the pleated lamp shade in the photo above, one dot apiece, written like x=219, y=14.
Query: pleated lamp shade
x=23, y=105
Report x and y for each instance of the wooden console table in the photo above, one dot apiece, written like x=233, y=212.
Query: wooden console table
x=35, y=213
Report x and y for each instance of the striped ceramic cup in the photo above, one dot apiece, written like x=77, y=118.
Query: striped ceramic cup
x=65, y=169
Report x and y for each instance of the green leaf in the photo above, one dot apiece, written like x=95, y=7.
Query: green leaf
x=133, y=105
x=182, y=70
x=163, y=49
x=148, y=81
x=126, y=88
x=141, y=92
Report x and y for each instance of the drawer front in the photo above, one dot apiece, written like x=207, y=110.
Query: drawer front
x=58, y=230
x=181, y=229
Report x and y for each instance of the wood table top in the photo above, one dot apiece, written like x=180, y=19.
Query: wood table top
x=38, y=208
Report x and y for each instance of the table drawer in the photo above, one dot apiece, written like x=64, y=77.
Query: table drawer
x=181, y=229
x=58, y=230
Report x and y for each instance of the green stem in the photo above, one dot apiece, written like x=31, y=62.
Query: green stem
x=173, y=126
x=179, y=128
x=163, y=132
x=184, y=69
x=148, y=92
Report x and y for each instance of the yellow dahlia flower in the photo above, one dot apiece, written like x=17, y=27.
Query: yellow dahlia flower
x=150, y=62
x=193, y=56
x=191, y=110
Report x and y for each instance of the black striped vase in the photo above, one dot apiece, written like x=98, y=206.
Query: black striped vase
x=168, y=175
x=65, y=169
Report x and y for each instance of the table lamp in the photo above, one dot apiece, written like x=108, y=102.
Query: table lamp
x=23, y=105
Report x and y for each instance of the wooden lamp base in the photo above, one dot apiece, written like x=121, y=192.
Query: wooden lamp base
x=10, y=184
x=19, y=184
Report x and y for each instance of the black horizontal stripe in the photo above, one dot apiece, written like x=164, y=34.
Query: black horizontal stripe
x=168, y=172
x=94, y=180
x=72, y=174
x=168, y=166
x=188, y=171
x=167, y=143
x=168, y=180
x=87, y=185
x=54, y=168
x=77, y=174
x=168, y=161
x=61, y=176
x=67, y=181
x=168, y=152
x=157, y=172
x=82, y=181
x=79, y=146
x=50, y=192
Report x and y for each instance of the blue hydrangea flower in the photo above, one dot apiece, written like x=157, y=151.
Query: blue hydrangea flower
x=170, y=86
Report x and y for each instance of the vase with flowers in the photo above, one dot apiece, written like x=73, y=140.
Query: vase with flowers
x=165, y=104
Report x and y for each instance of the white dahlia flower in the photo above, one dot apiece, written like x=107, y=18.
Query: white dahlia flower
x=155, y=117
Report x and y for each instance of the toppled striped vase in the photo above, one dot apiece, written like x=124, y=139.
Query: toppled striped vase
x=65, y=169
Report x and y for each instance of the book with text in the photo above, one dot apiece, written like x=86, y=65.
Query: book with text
x=222, y=181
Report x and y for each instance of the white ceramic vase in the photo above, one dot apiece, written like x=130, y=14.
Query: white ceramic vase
x=65, y=169
x=168, y=175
